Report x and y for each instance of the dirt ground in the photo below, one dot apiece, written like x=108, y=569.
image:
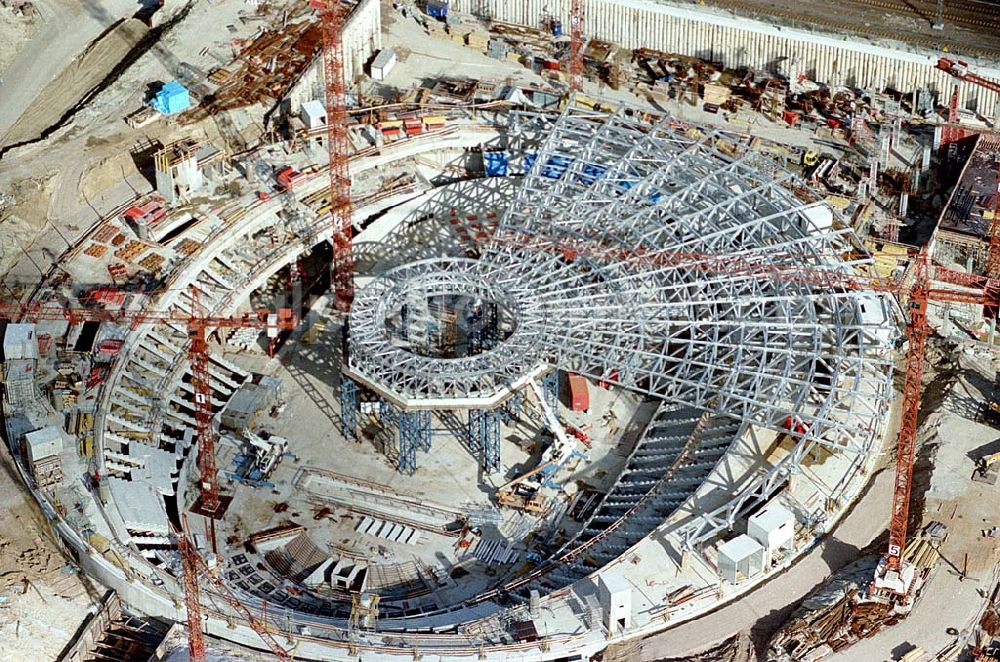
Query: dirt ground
x=82, y=75
x=14, y=31
x=43, y=599
x=20, y=222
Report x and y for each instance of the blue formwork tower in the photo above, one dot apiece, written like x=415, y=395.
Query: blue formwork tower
x=491, y=441
x=484, y=435
x=424, y=436
x=349, y=405
x=475, y=430
x=386, y=413
x=512, y=408
x=414, y=434
x=482, y=325
x=409, y=441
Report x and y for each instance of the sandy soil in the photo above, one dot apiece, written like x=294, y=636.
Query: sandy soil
x=14, y=32
x=76, y=80
x=42, y=599
x=21, y=222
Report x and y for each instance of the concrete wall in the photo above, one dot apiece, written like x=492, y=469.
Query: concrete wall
x=362, y=38
x=744, y=42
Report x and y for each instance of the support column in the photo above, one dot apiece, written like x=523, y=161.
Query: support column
x=409, y=440
x=424, y=436
x=475, y=430
x=491, y=441
x=484, y=435
x=512, y=408
x=349, y=406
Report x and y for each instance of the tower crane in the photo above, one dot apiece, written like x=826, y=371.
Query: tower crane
x=194, y=565
x=198, y=325
x=917, y=288
x=576, y=46
x=332, y=13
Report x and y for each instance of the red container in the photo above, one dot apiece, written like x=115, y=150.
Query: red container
x=579, y=393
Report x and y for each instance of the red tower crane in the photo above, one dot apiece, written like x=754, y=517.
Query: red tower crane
x=197, y=325
x=331, y=13
x=192, y=596
x=576, y=46
x=960, y=70
x=193, y=565
x=918, y=291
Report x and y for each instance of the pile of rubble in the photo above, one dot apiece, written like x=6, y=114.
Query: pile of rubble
x=832, y=618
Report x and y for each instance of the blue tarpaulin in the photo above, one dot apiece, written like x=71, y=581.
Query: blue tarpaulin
x=529, y=160
x=590, y=174
x=495, y=164
x=437, y=9
x=172, y=98
x=556, y=166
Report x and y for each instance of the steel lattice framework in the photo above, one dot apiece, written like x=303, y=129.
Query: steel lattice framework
x=728, y=341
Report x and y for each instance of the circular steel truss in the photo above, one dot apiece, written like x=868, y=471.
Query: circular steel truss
x=612, y=258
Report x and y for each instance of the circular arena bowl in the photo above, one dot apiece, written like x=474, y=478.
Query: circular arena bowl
x=672, y=264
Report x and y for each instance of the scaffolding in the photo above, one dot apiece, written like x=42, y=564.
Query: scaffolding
x=349, y=405
x=511, y=410
x=483, y=328
x=484, y=437
x=414, y=434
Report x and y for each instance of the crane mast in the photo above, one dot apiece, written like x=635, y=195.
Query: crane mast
x=331, y=14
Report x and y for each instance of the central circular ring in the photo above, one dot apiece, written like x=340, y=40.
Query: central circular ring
x=447, y=314
x=444, y=330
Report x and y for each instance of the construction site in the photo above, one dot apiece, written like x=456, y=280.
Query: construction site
x=590, y=330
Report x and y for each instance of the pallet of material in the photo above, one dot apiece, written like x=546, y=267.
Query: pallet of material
x=188, y=247
x=106, y=233
x=95, y=250
x=152, y=262
x=282, y=531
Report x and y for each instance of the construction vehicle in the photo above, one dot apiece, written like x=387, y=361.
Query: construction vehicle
x=986, y=471
x=525, y=492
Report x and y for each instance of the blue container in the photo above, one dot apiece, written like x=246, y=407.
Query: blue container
x=172, y=98
x=557, y=28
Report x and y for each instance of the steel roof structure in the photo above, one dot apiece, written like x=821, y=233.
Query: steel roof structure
x=577, y=264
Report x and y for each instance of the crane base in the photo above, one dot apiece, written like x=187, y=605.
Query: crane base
x=894, y=582
x=217, y=513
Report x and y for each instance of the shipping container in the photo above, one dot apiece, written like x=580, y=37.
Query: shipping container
x=579, y=393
